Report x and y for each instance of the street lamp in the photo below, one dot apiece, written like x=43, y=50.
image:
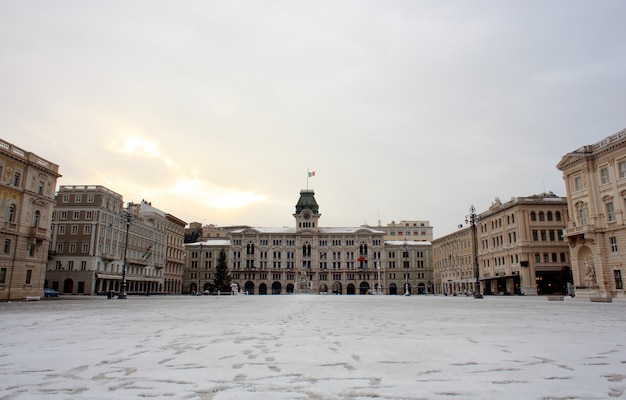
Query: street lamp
x=379, y=291
x=199, y=266
x=473, y=219
x=127, y=217
x=406, y=271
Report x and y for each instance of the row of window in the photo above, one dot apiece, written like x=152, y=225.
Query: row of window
x=75, y=215
x=27, y=279
x=78, y=198
x=292, y=242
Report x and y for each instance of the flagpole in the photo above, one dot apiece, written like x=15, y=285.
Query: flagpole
x=307, y=179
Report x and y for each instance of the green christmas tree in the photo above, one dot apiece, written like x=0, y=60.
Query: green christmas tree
x=222, y=278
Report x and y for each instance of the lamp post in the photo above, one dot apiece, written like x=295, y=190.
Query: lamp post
x=127, y=218
x=473, y=219
x=199, y=266
x=379, y=291
x=406, y=270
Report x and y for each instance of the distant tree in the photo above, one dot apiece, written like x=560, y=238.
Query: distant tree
x=222, y=278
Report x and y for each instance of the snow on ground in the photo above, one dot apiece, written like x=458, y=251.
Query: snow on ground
x=312, y=347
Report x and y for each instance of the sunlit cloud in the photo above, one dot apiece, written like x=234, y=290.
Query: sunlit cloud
x=140, y=147
x=215, y=196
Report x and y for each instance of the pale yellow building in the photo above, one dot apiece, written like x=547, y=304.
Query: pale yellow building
x=520, y=250
x=27, y=187
x=595, y=179
x=454, y=263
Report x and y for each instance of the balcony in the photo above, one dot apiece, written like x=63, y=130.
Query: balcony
x=38, y=233
x=108, y=256
x=580, y=230
x=10, y=226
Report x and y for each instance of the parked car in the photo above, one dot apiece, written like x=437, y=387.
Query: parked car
x=50, y=293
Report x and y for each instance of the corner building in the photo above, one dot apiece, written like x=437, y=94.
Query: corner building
x=27, y=185
x=595, y=179
x=307, y=258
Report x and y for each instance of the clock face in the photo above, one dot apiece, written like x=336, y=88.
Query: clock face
x=307, y=215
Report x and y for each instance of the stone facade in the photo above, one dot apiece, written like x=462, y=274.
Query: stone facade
x=97, y=244
x=520, y=250
x=175, y=257
x=454, y=263
x=27, y=186
x=595, y=179
x=311, y=259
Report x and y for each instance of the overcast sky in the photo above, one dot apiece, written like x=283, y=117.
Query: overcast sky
x=215, y=110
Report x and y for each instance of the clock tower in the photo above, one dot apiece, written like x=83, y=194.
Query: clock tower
x=307, y=211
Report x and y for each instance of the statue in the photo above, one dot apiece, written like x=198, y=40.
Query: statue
x=590, y=274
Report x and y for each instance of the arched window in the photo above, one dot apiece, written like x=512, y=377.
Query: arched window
x=549, y=215
x=533, y=216
x=36, y=218
x=541, y=216
x=11, y=213
x=557, y=215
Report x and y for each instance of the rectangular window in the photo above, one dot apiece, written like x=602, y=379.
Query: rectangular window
x=61, y=229
x=72, y=247
x=87, y=229
x=613, y=242
x=7, y=246
x=66, y=198
x=74, y=229
x=604, y=176
x=578, y=184
x=3, y=275
x=59, y=247
x=40, y=188
x=63, y=215
x=610, y=211
x=622, y=169
x=618, y=279
x=78, y=198
x=31, y=250
x=85, y=248
x=90, y=198
x=76, y=214
x=88, y=215
x=29, y=274
x=16, y=178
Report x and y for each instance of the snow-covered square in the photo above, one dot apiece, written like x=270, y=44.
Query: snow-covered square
x=313, y=347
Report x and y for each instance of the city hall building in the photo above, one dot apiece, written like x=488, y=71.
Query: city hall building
x=307, y=258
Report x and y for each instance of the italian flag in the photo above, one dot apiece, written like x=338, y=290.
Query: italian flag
x=312, y=173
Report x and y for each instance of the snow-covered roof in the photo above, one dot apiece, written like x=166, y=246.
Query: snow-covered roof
x=408, y=243
x=322, y=231
x=211, y=242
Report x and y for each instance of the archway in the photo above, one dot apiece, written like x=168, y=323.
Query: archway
x=364, y=288
x=421, y=288
x=68, y=286
x=337, y=288
x=290, y=288
x=276, y=288
x=393, y=289
x=350, y=289
x=249, y=287
x=262, y=288
x=323, y=288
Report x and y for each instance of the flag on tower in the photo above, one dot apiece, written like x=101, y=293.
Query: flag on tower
x=312, y=173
